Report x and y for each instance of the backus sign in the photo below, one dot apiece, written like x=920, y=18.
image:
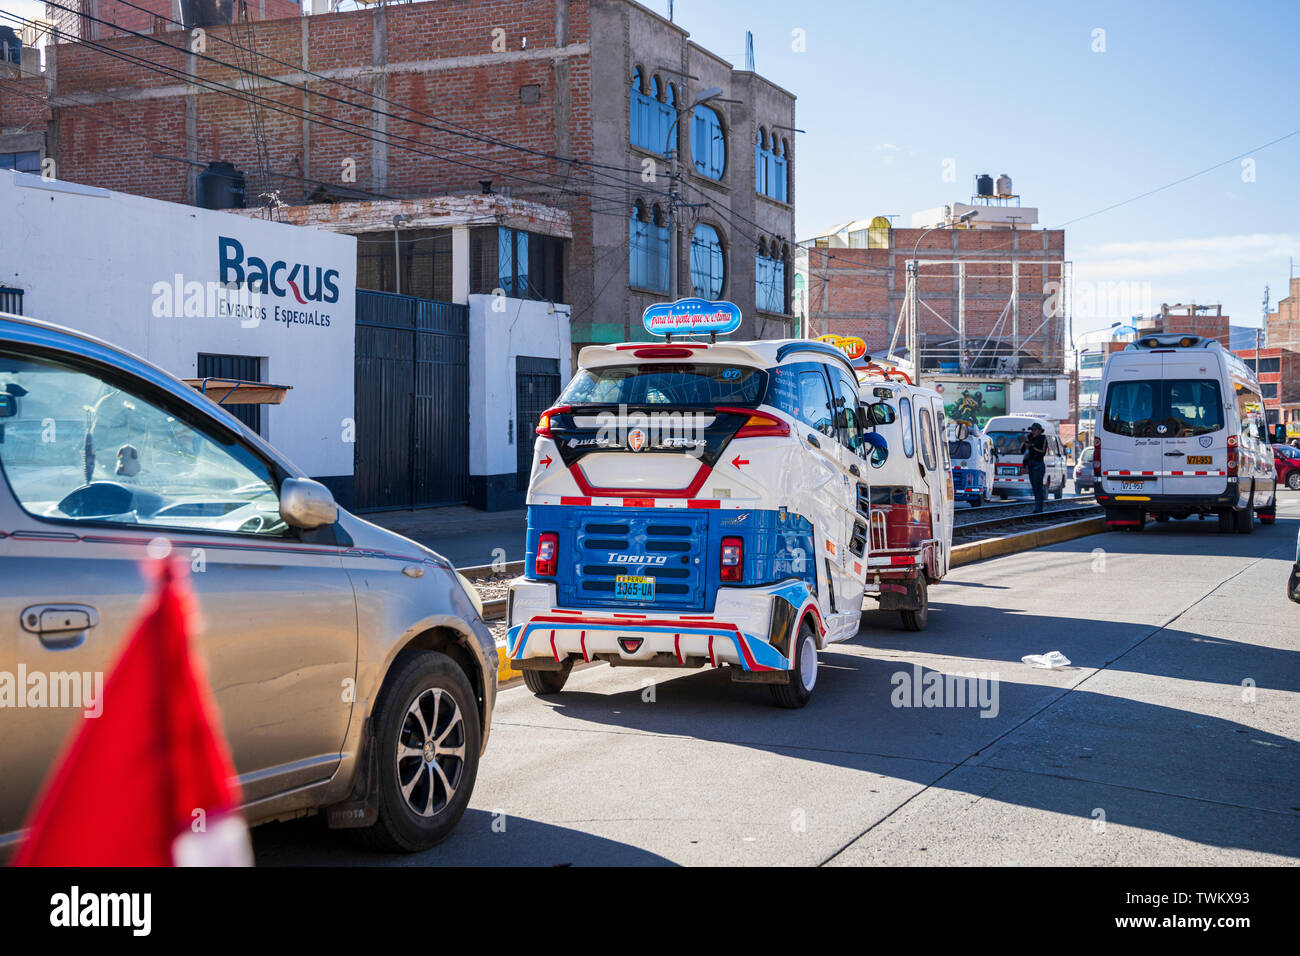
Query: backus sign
x=278, y=278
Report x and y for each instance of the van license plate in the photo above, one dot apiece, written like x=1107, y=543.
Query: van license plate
x=1200, y=459
x=1008, y=470
x=1131, y=485
x=634, y=587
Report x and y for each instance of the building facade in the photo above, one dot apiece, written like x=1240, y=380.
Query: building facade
x=661, y=153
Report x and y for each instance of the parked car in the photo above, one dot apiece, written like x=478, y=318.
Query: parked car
x=1286, y=460
x=351, y=667
x=1084, y=481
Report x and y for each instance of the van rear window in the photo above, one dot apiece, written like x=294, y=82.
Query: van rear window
x=1182, y=407
x=665, y=384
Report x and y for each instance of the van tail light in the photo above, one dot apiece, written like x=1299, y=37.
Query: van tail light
x=544, y=423
x=1096, y=455
x=733, y=559
x=548, y=546
x=1232, y=456
x=758, y=424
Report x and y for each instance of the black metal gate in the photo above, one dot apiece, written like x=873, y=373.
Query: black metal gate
x=412, y=402
x=537, y=386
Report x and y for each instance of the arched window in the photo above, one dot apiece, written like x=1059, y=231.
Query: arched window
x=769, y=278
x=772, y=166
x=651, y=113
x=878, y=233
x=647, y=243
x=708, y=263
x=708, y=142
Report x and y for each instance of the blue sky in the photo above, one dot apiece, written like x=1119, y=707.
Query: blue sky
x=888, y=91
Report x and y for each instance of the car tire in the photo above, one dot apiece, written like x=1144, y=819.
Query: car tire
x=1245, y=518
x=548, y=682
x=413, y=702
x=977, y=501
x=1227, y=520
x=803, y=676
x=1059, y=493
x=916, y=620
x=1293, y=480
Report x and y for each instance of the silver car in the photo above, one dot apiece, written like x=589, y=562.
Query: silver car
x=351, y=667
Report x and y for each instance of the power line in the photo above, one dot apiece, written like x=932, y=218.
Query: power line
x=1177, y=182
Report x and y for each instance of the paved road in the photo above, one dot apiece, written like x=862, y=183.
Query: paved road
x=1148, y=749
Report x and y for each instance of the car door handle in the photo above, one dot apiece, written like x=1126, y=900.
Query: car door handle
x=1175, y=454
x=814, y=442
x=59, y=625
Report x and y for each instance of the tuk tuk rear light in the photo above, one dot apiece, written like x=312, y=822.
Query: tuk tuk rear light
x=548, y=547
x=732, y=561
x=544, y=423
x=757, y=424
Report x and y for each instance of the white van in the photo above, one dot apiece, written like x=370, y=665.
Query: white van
x=1009, y=474
x=1182, y=433
x=911, y=495
x=697, y=503
x=972, y=463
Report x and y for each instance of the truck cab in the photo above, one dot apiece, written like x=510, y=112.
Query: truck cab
x=696, y=503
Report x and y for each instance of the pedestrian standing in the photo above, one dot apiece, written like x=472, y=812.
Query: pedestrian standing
x=1034, y=450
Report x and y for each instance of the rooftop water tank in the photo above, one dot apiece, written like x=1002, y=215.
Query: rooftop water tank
x=983, y=185
x=220, y=186
x=1004, y=185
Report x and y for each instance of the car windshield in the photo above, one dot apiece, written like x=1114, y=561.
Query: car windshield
x=1286, y=451
x=1163, y=408
x=1007, y=443
x=666, y=384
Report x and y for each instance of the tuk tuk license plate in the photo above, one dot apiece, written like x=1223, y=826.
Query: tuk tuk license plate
x=1131, y=485
x=1200, y=459
x=634, y=587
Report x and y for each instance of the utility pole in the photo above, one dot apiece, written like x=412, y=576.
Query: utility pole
x=670, y=150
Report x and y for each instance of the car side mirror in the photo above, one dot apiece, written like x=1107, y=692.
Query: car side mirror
x=882, y=413
x=307, y=504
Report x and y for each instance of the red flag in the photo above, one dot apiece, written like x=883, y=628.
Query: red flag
x=151, y=777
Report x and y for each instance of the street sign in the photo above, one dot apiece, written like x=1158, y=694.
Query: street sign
x=691, y=316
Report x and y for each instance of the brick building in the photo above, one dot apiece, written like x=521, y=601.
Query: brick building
x=573, y=104
x=98, y=19
x=990, y=294
x=1279, y=380
x=1282, y=327
x=1205, y=320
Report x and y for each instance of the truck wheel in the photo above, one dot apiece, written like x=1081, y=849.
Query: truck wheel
x=547, y=682
x=428, y=739
x=915, y=620
x=803, y=676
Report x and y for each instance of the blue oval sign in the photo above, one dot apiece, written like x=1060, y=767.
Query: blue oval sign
x=691, y=316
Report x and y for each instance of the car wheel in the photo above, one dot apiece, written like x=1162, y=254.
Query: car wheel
x=1293, y=480
x=803, y=676
x=977, y=500
x=916, y=620
x=428, y=738
x=1245, y=519
x=548, y=682
x=1060, y=491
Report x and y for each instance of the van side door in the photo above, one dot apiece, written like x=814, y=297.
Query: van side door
x=853, y=458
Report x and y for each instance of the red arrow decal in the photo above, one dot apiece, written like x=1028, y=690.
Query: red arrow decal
x=546, y=462
x=738, y=461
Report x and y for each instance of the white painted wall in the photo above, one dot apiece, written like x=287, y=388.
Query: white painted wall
x=500, y=329
x=92, y=259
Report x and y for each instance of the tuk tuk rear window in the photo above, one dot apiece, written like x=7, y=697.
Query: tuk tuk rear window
x=664, y=383
x=1183, y=407
x=959, y=450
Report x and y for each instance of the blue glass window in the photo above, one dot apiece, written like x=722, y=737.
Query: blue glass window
x=769, y=283
x=652, y=113
x=772, y=166
x=708, y=143
x=648, y=249
x=708, y=265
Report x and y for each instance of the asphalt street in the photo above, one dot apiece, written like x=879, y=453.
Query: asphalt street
x=1172, y=737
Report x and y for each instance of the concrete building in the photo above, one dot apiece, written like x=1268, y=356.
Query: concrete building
x=590, y=106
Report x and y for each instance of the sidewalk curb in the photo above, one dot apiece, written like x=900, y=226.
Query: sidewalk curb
x=1025, y=540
